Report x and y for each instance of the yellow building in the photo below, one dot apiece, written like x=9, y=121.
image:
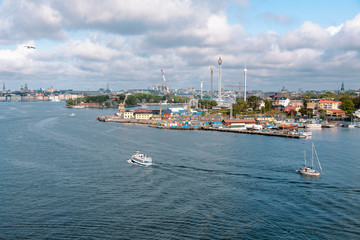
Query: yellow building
x=312, y=104
x=143, y=115
x=329, y=104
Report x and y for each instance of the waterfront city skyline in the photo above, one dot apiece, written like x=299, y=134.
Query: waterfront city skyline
x=89, y=44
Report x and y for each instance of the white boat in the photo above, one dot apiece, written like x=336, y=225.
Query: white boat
x=310, y=171
x=313, y=125
x=72, y=114
x=79, y=106
x=327, y=125
x=141, y=159
x=306, y=134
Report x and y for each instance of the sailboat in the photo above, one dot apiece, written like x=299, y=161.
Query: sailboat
x=310, y=171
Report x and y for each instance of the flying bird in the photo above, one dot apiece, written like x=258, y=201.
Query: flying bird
x=29, y=47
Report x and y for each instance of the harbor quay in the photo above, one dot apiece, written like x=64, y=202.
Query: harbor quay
x=220, y=126
x=234, y=130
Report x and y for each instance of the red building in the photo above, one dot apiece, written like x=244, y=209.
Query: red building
x=228, y=122
x=142, y=110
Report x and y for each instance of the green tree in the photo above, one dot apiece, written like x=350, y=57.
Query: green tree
x=208, y=104
x=70, y=102
x=254, y=102
x=132, y=100
x=179, y=99
x=348, y=106
x=306, y=111
x=268, y=105
x=239, y=106
x=356, y=101
x=328, y=95
x=292, y=113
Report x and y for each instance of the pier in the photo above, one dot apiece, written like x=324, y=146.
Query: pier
x=205, y=128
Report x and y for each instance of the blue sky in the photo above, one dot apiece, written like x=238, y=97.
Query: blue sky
x=253, y=16
x=87, y=44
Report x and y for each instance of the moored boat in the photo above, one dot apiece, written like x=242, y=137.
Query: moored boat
x=78, y=106
x=141, y=159
x=327, y=125
x=313, y=125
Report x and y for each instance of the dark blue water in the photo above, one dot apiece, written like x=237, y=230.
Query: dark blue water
x=65, y=177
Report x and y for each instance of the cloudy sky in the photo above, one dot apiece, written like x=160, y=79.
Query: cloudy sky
x=87, y=44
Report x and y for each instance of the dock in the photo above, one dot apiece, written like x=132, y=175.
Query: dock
x=205, y=128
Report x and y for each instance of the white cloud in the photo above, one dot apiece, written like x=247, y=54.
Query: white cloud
x=334, y=30
x=23, y=20
x=309, y=35
x=89, y=50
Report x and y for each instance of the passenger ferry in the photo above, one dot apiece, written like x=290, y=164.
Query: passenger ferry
x=141, y=159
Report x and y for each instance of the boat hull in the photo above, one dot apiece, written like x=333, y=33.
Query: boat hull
x=136, y=161
x=308, y=172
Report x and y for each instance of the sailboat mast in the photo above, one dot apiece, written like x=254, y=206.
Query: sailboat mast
x=317, y=157
x=312, y=156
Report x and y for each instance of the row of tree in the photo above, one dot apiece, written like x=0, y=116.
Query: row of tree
x=134, y=99
x=88, y=99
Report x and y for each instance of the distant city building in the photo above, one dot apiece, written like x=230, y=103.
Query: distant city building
x=26, y=89
x=313, y=103
x=283, y=93
x=335, y=113
x=297, y=103
x=282, y=101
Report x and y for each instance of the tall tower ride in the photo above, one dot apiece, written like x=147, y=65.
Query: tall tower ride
x=220, y=62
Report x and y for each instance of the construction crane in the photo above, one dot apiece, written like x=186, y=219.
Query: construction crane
x=167, y=88
x=122, y=105
x=236, y=86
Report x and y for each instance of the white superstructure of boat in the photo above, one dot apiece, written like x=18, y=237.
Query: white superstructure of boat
x=313, y=125
x=141, y=159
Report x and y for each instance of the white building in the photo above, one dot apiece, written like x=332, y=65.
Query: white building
x=128, y=114
x=284, y=102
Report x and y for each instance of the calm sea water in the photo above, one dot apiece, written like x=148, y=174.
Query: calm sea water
x=64, y=177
